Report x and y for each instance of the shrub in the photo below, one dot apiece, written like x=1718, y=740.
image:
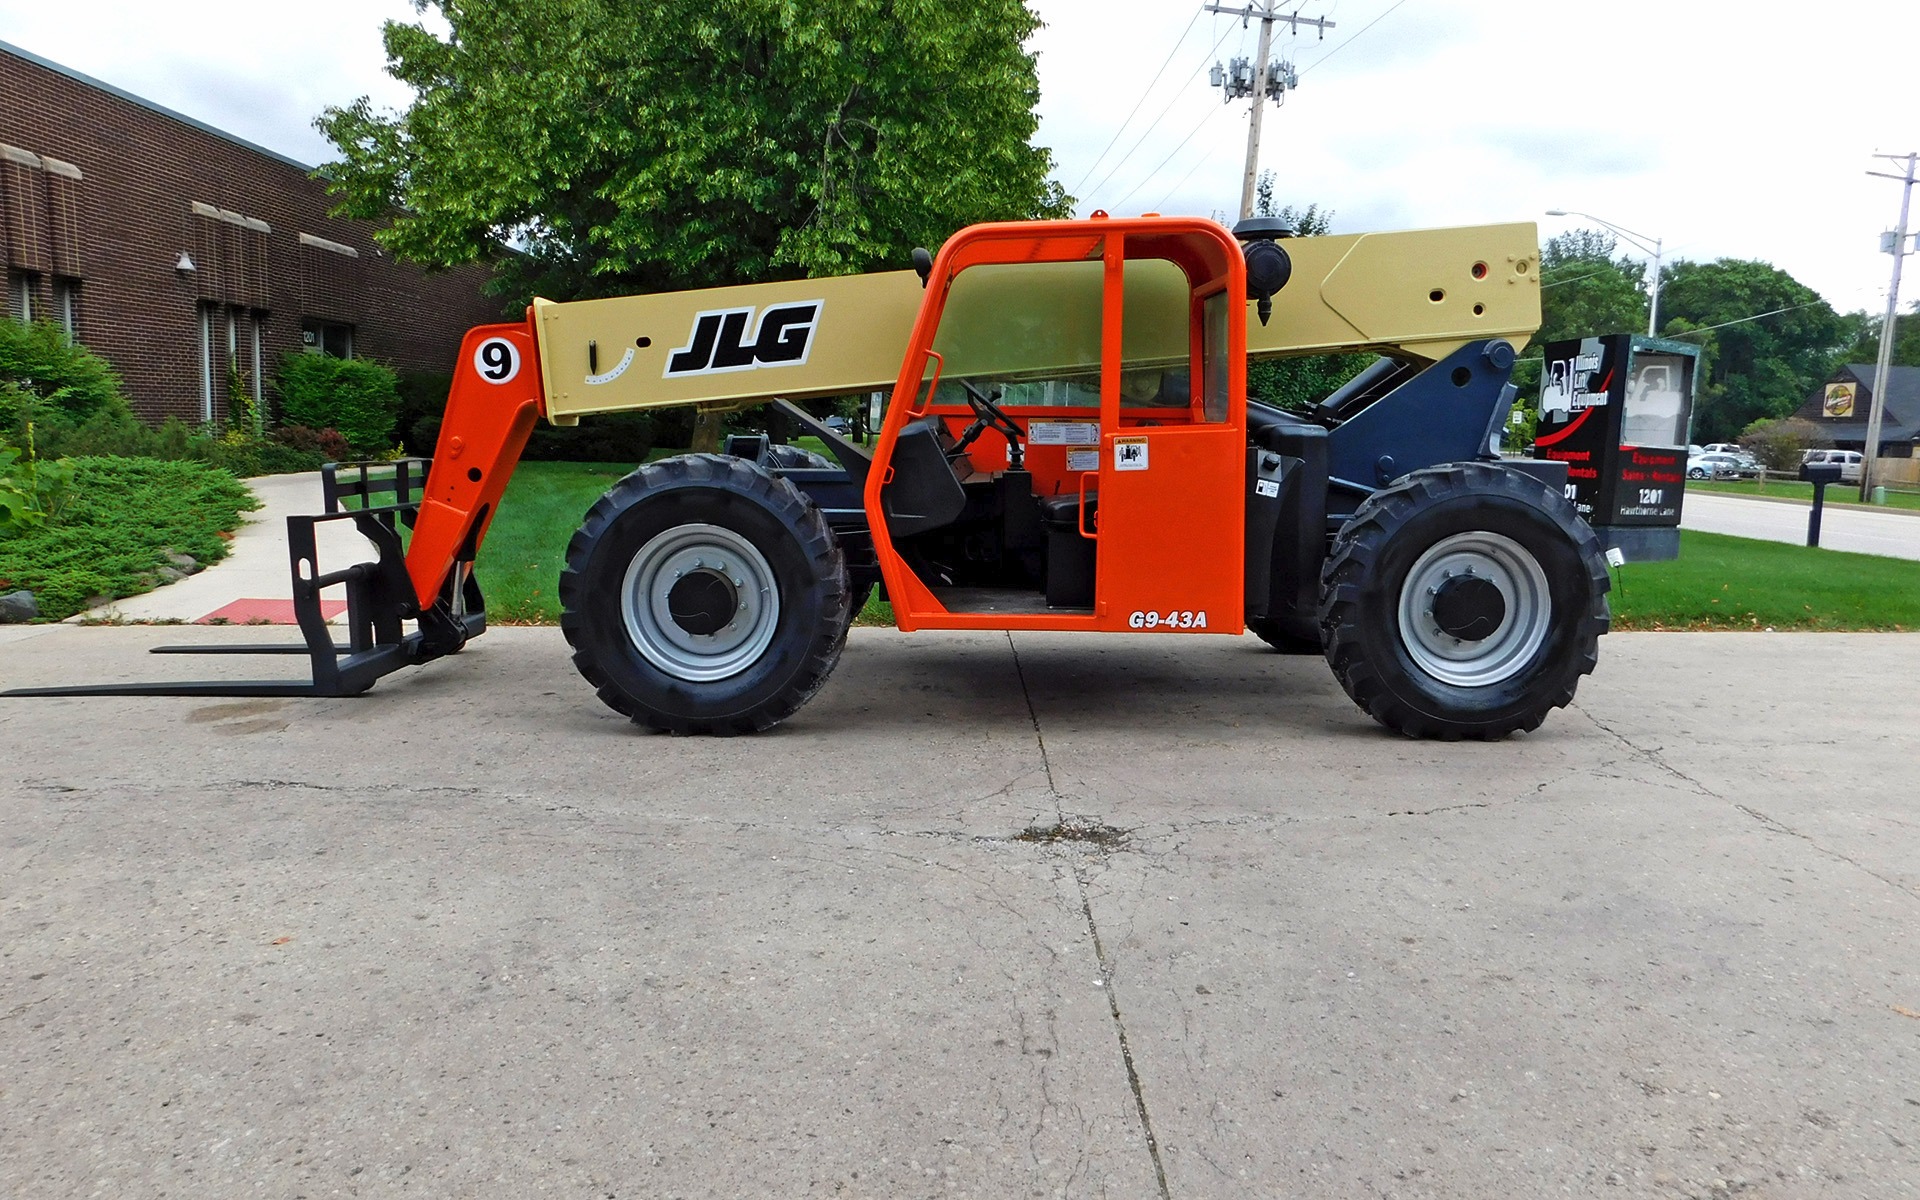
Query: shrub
x=359, y=398
x=122, y=518
x=423, y=398
x=610, y=437
x=74, y=381
x=1780, y=442
x=327, y=443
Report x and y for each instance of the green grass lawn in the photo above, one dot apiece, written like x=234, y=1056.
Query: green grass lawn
x=1722, y=582
x=1837, y=493
x=1717, y=583
x=519, y=565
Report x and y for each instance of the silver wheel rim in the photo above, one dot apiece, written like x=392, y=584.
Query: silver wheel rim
x=1503, y=653
x=700, y=550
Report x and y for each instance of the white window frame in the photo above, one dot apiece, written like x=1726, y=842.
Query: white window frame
x=258, y=320
x=23, y=296
x=64, y=290
x=206, y=363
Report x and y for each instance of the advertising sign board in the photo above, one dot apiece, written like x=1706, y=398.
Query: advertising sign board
x=1616, y=409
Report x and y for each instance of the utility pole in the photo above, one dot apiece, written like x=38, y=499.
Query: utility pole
x=1897, y=245
x=1263, y=79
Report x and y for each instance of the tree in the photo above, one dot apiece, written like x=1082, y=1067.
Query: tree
x=1863, y=340
x=1772, y=339
x=689, y=143
x=1586, y=290
x=1297, y=383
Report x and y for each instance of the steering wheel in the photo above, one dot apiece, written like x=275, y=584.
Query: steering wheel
x=988, y=415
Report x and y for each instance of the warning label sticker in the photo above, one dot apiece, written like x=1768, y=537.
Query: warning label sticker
x=1130, y=454
x=1083, y=458
x=1062, y=433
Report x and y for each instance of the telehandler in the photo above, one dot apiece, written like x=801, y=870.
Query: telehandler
x=1068, y=446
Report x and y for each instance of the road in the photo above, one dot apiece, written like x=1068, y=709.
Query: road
x=1049, y=915
x=1892, y=532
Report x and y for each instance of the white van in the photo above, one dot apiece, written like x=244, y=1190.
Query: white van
x=1849, y=461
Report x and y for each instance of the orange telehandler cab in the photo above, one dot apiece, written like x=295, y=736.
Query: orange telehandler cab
x=1068, y=446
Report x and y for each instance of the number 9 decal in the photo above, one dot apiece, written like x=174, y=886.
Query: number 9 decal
x=497, y=360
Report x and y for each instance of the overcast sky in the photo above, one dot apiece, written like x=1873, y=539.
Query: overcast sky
x=1725, y=128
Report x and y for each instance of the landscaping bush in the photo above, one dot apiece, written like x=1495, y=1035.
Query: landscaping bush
x=359, y=398
x=77, y=383
x=327, y=444
x=1779, y=443
x=123, y=516
x=423, y=398
x=610, y=437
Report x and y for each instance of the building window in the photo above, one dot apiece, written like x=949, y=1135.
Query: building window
x=20, y=295
x=206, y=362
x=326, y=337
x=257, y=327
x=66, y=305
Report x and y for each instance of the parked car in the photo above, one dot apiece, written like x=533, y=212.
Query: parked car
x=1849, y=461
x=1719, y=466
x=1749, y=465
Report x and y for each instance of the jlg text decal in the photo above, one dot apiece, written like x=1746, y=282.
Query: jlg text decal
x=720, y=341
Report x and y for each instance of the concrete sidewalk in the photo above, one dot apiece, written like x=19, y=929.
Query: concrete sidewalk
x=256, y=568
x=1041, y=915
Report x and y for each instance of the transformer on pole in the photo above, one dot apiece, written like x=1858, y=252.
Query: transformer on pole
x=1264, y=78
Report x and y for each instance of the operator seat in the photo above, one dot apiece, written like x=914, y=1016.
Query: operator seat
x=925, y=492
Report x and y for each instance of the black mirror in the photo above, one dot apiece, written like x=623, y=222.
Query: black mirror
x=1268, y=266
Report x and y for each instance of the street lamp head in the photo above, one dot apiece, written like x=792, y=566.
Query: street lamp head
x=1557, y=212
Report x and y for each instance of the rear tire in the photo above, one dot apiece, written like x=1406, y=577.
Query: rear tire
x=703, y=595
x=1463, y=601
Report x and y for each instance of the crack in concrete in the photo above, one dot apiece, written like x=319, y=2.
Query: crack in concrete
x=1093, y=931
x=1778, y=826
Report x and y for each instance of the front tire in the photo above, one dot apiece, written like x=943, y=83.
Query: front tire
x=703, y=595
x=1463, y=601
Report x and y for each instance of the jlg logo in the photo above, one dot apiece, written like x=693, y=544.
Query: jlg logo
x=720, y=342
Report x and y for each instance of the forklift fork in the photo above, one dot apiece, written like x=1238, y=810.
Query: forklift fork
x=380, y=599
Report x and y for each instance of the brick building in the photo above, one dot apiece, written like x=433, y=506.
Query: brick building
x=178, y=251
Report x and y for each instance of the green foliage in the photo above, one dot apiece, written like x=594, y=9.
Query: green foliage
x=638, y=148
x=1754, y=368
x=70, y=382
x=124, y=516
x=423, y=401
x=359, y=398
x=1586, y=290
x=1778, y=442
x=1863, y=339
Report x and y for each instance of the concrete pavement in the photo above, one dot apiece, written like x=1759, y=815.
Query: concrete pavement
x=1894, y=532
x=1031, y=916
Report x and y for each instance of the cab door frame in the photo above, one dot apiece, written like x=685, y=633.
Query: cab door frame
x=1212, y=262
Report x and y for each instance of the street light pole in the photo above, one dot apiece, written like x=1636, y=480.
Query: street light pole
x=1640, y=240
x=1872, y=444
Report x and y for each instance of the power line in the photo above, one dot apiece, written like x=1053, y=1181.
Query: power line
x=1211, y=113
x=1197, y=163
x=1743, y=320
x=1156, y=121
x=1343, y=45
x=1145, y=92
